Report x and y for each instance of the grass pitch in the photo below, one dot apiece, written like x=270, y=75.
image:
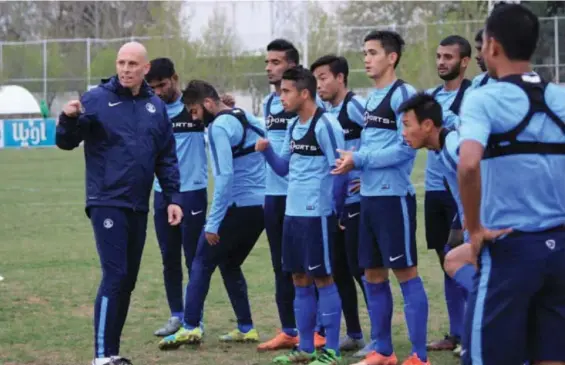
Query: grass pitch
x=51, y=273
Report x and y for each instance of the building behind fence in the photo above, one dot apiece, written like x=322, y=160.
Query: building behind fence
x=57, y=69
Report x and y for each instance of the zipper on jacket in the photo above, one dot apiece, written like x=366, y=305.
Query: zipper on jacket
x=135, y=152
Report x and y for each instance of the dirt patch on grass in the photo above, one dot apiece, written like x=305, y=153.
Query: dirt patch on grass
x=83, y=311
x=36, y=300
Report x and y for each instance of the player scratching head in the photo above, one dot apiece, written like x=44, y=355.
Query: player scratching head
x=452, y=58
x=331, y=74
x=510, y=38
x=422, y=120
x=298, y=92
x=281, y=55
x=163, y=79
x=382, y=50
x=203, y=101
x=132, y=65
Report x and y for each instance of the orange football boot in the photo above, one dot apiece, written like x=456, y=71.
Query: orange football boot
x=280, y=342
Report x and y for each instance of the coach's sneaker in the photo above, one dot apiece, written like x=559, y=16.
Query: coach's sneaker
x=370, y=347
x=348, y=343
x=296, y=356
x=326, y=357
x=449, y=343
x=237, y=336
x=319, y=340
x=457, y=350
x=172, y=326
x=182, y=337
x=281, y=341
x=415, y=360
x=375, y=358
x=114, y=360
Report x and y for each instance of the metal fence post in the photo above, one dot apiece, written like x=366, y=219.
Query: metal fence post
x=556, y=47
x=44, y=69
x=1, y=59
x=305, y=31
x=339, y=40
x=88, y=71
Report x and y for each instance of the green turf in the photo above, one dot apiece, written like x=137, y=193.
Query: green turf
x=51, y=270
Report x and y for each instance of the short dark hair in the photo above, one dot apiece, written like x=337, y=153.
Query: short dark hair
x=390, y=41
x=303, y=78
x=197, y=90
x=425, y=107
x=161, y=68
x=516, y=28
x=282, y=45
x=337, y=65
x=479, y=36
x=464, y=45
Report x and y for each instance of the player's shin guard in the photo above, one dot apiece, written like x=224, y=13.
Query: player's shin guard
x=379, y=305
x=305, y=312
x=455, y=301
x=329, y=306
x=464, y=276
x=416, y=313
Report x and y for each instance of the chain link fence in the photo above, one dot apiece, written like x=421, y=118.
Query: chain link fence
x=49, y=68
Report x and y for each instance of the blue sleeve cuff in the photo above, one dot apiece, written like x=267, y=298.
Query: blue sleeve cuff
x=64, y=119
x=357, y=159
x=279, y=165
x=340, y=193
x=176, y=198
x=211, y=228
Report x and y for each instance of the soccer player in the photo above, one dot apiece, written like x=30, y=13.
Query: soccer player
x=452, y=58
x=128, y=139
x=331, y=74
x=239, y=184
x=511, y=171
x=388, y=205
x=482, y=78
x=191, y=153
x=308, y=154
x=281, y=55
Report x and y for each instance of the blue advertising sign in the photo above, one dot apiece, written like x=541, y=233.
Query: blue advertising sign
x=17, y=133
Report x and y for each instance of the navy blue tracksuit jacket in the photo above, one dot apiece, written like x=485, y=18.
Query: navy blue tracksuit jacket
x=127, y=141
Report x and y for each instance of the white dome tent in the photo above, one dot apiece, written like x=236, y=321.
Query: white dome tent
x=17, y=102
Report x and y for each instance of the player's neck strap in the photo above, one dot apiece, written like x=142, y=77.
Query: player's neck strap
x=502, y=144
x=238, y=150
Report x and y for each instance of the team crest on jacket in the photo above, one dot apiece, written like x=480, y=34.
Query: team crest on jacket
x=150, y=108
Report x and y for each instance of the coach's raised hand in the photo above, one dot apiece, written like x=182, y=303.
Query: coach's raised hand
x=72, y=108
x=261, y=145
x=175, y=214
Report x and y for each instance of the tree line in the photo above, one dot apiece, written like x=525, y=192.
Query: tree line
x=217, y=55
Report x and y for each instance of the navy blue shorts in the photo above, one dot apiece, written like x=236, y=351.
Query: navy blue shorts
x=387, y=232
x=516, y=311
x=307, y=243
x=351, y=221
x=439, y=209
